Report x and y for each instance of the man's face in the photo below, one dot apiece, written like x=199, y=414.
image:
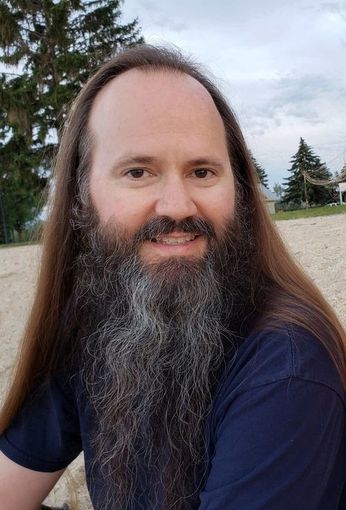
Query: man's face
x=160, y=151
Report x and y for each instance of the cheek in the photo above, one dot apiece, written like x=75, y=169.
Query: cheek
x=103, y=202
x=123, y=212
x=221, y=205
x=115, y=206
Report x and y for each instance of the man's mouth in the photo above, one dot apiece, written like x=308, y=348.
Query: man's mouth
x=174, y=239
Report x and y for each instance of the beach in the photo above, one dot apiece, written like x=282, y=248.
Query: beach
x=318, y=244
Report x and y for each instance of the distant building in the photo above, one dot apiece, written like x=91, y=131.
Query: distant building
x=342, y=184
x=342, y=191
x=270, y=198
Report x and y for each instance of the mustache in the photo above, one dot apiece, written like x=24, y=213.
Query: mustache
x=166, y=225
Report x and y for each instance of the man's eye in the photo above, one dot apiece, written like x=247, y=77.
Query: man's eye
x=202, y=173
x=136, y=173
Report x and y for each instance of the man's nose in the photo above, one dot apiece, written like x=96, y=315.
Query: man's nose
x=175, y=200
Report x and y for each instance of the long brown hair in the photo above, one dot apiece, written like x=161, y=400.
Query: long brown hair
x=294, y=299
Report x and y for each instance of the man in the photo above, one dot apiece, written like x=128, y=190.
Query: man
x=172, y=338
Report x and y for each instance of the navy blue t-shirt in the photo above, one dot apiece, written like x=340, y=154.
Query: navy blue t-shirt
x=277, y=430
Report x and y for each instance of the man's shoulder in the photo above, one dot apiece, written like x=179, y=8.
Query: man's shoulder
x=273, y=355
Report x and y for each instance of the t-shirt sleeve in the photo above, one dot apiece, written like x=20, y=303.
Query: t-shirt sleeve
x=45, y=435
x=275, y=447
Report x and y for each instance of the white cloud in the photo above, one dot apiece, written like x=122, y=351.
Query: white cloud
x=281, y=64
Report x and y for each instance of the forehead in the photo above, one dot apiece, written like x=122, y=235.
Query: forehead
x=158, y=102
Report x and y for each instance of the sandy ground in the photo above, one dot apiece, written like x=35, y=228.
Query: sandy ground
x=319, y=244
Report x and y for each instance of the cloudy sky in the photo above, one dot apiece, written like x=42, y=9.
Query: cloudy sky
x=282, y=64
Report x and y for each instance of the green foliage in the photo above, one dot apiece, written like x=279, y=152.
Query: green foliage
x=342, y=174
x=49, y=49
x=262, y=174
x=278, y=189
x=298, y=191
x=21, y=186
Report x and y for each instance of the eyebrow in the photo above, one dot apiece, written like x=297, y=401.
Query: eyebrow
x=147, y=160
x=134, y=160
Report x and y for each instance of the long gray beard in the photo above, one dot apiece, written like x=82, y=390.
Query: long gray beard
x=153, y=350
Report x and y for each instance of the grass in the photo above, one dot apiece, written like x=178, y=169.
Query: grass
x=310, y=213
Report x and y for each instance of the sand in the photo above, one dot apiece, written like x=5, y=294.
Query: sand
x=319, y=244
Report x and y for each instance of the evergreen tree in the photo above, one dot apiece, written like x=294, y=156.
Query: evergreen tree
x=262, y=174
x=49, y=49
x=298, y=190
x=21, y=186
x=278, y=190
x=342, y=174
x=321, y=195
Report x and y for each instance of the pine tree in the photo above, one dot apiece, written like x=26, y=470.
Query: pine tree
x=262, y=174
x=49, y=49
x=298, y=190
x=278, y=190
x=21, y=186
x=342, y=174
x=321, y=195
